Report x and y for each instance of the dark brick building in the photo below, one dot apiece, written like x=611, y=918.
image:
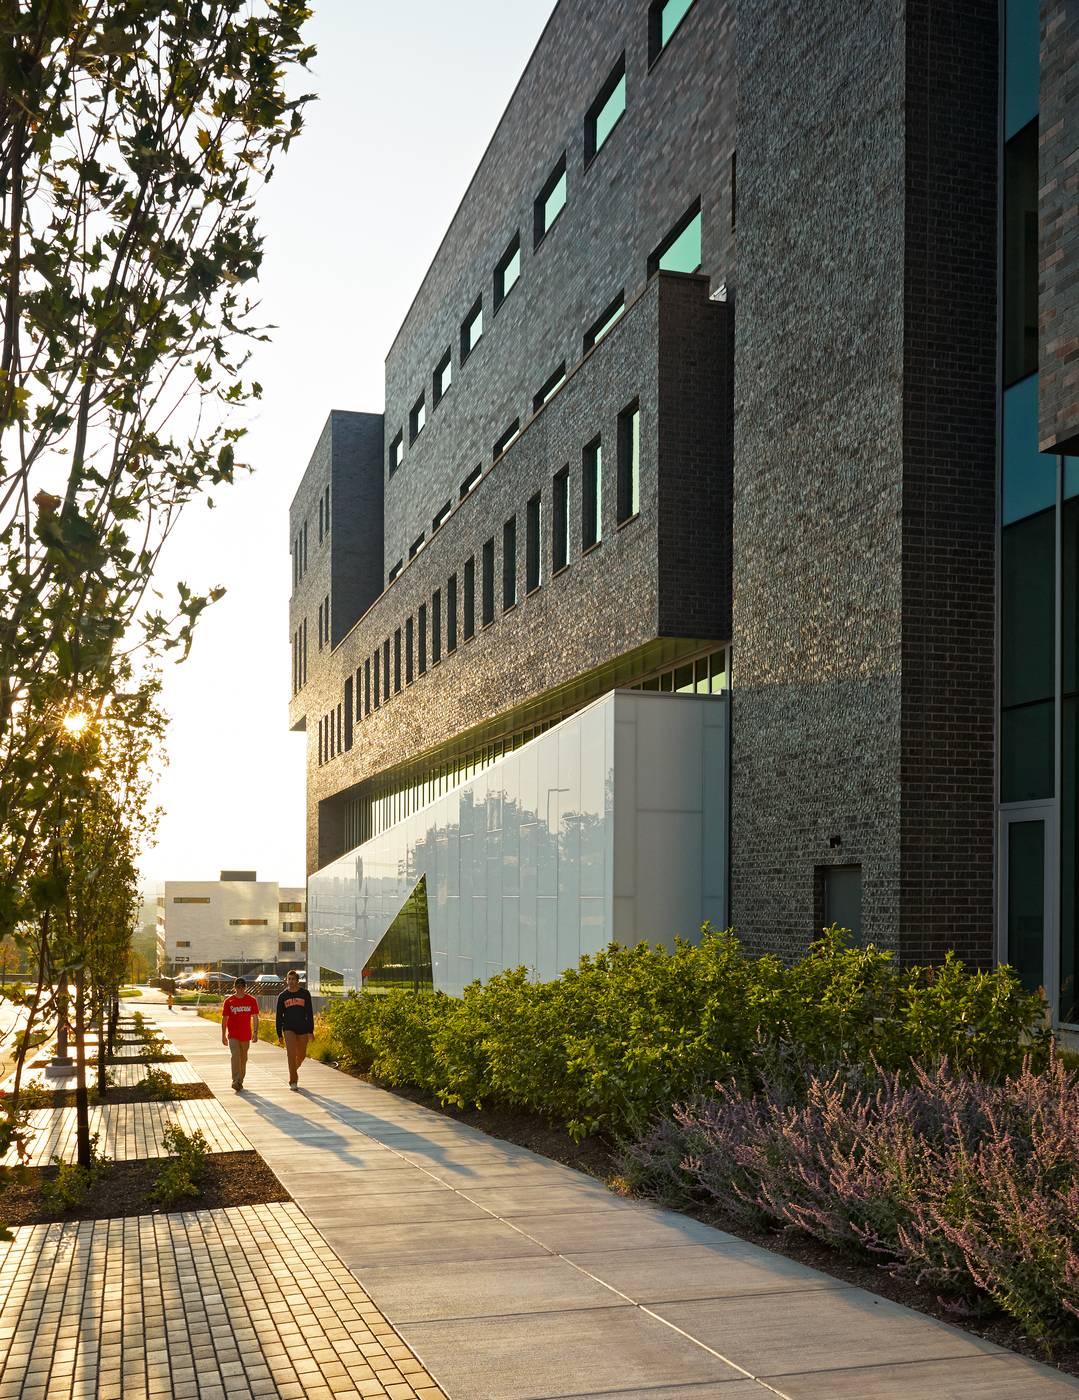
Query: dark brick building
x=747, y=371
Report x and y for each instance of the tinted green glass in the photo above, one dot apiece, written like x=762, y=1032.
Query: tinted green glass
x=1026, y=753
x=1022, y=41
x=1026, y=902
x=1069, y=866
x=403, y=957
x=609, y=113
x=683, y=680
x=1021, y=254
x=684, y=254
x=1069, y=602
x=1027, y=610
x=554, y=203
x=1029, y=483
x=475, y=329
x=670, y=17
x=598, y=334
x=511, y=271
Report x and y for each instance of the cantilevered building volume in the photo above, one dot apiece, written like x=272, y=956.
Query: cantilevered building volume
x=717, y=553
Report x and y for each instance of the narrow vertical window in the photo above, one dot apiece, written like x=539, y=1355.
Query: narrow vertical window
x=386, y=669
x=451, y=613
x=442, y=378
x=303, y=648
x=550, y=201
x=1021, y=254
x=397, y=660
x=510, y=435
x=680, y=250
x=472, y=330
x=508, y=271
x=397, y=452
x=560, y=521
x=320, y=759
x=421, y=639
x=471, y=481
x=436, y=627
x=348, y=713
x=488, y=584
x=509, y=563
x=603, y=323
x=416, y=419
x=367, y=686
x=664, y=17
x=603, y=115
x=303, y=566
x=327, y=510
x=592, y=495
x=408, y=650
x=629, y=462
x=533, y=545
x=470, y=597
x=377, y=688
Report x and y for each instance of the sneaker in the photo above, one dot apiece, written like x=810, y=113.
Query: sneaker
x=293, y=1084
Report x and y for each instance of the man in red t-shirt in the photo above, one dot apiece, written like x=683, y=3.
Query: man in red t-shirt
x=239, y=1026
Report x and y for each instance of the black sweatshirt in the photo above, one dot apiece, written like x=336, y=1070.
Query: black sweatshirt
x=294, y=1012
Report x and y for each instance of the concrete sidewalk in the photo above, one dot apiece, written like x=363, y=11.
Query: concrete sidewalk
x=515, y=1278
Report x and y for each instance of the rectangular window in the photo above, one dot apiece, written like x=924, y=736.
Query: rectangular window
x=377, y=658
x=664, y=17
x=436, y=627
x=507, y=437
x=421, y=640
x=508, y=270
x=488, y=584
x=327, y=508
x=416, y=419
x=303, y=651
x=550, y=201
x=416, y=545
x=397, y=452
x=509, y=563
x=470, y=597
x=340, y=728
x=603, y=115
x=441, y=518
x=451, y=613
x=533, y=545
x=734, y=190
x=397, y=660
x=367, y=686
x=680, y=251
x=629, y=462
x=183, y=943
x=348, y=713
x=248, y=923
x=1021, y=254
x=396, y=570
x=592, y=495
x=471, y=481
x=191, y=899
x=442, y=378
x=386, y=669
x=560, y=521
x=408, y=650
x=555, y=382
x=603, y=323
x=321, y=510
x=471, y=330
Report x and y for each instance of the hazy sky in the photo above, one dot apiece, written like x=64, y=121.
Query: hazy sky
x=409, y=95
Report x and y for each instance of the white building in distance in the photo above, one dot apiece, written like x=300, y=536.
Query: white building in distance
x=238, y=923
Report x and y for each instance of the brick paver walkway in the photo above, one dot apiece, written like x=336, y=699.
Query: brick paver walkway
x=127, y=1130
x=224, y=1303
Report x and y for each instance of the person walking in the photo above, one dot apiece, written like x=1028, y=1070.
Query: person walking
x=295, y=1025
x=239, y=1026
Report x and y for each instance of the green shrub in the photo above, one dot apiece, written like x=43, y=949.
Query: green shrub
x=630, y=1031
x=70, y=1186
x=182, y=1175
x=157, y=1085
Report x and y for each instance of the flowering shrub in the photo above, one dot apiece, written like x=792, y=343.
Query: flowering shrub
x=964, y=1184
x=617, y=1040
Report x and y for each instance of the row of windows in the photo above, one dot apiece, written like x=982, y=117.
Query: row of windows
x=398, y=660
x=600, y=120
x=299, y=657
x=367, y=816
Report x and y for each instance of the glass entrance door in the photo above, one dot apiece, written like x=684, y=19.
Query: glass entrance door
x=1027, y=895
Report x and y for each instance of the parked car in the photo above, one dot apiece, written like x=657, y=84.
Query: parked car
x=266, y=984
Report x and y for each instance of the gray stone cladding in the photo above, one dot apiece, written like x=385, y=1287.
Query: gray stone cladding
x=1058, y=228
x=670, y=352
x=673, y=146
x=345, y=565
x=864, y=470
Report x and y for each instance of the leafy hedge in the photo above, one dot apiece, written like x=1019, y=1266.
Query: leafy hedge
x=967, y=1186
x=616, y=1041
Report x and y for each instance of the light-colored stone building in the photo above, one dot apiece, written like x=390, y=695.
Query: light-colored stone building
x=237, y=923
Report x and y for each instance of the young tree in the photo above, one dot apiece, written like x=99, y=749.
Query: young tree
x=134, y=136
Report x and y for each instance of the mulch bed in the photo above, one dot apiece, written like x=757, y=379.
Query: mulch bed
x=598, y=1158
x=231, y=1179
x=127, y=1093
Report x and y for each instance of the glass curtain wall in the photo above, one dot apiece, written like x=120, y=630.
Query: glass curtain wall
x=1039, y=583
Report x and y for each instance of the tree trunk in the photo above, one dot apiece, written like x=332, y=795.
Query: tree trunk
x=82, y=1105
x=114, y=1018
x=102, y=1081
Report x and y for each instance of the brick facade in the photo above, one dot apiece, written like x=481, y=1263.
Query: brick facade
x=1058, y=228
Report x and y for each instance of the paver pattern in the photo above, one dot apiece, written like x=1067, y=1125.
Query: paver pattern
x=226, y=1303
x=129, y=1130
x=515, y=1278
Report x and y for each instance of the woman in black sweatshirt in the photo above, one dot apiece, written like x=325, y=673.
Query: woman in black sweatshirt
x=295, y=1025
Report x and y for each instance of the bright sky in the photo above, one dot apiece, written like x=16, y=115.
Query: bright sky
x=409, y=95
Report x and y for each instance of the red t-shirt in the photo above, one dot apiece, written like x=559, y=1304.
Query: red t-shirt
x=236, y=1014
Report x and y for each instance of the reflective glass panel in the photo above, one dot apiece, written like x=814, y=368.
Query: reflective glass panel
x=1026, y=753
x=684, y=254
x=670, y=17
x=1022, y=41
x=403, y=957
x=1029, y=477
x=609, y=113
x=1026, y=902
x=1027, y=610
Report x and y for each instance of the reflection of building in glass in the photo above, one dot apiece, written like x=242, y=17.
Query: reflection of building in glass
x=741, y=446
x=403, y=956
